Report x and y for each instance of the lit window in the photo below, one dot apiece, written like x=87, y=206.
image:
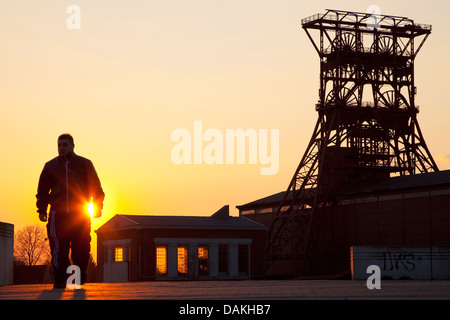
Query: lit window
x=203, y=261
x=118, y=254
x=182, y=261
x=161, y=260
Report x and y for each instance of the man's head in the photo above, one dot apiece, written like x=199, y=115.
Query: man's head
x=65, y=144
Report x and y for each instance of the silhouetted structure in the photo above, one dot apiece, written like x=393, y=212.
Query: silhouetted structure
x=367, y=125
x=6, y=253
x=137, y=248
x=32, y=274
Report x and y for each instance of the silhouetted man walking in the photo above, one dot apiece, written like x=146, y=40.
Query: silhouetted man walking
x=68, y=183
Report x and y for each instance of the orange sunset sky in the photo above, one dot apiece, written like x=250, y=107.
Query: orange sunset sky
x=138, y=70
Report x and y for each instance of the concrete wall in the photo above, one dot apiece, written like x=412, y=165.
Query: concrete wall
x=402, y=262
x=6, y=253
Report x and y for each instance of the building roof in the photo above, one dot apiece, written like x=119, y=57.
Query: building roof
x=219, y=220
x=393, y=184
x=424, y=180
x=274, y=199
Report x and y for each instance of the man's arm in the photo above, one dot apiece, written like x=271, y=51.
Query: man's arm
x=43, y=194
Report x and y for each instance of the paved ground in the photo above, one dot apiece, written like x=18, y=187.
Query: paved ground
x=271, y=299
x=235, y=290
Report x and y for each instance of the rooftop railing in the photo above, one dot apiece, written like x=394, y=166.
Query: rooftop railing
x=365, y=19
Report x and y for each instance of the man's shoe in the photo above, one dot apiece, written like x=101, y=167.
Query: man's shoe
x=83, y=278
x=59, y=285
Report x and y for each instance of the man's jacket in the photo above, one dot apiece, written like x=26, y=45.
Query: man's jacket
x=68, y=185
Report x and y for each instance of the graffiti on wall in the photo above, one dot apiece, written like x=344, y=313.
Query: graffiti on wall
x=400, y=260
x=408, y=262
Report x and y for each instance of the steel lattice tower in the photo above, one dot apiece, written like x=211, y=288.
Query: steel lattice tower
x=367, y=126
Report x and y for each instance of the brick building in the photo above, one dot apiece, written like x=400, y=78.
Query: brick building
x=136, y=248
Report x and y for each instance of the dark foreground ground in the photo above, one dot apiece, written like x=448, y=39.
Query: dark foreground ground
x=234, y=290
x=271, y=299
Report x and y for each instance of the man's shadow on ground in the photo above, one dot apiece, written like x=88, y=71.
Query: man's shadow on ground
x=63, y=294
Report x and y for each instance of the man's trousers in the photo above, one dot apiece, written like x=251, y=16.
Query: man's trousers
x=69, y=232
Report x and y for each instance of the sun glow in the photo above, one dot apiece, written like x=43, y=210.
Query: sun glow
x=91, y=209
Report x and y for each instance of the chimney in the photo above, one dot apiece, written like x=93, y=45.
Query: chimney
x=222, y=213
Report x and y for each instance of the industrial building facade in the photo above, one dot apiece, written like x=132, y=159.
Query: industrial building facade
x=139, y=248
x=400, y=211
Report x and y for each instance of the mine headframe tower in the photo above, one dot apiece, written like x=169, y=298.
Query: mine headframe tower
x=367, y=126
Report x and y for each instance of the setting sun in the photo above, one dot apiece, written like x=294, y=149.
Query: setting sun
x=91, y=209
